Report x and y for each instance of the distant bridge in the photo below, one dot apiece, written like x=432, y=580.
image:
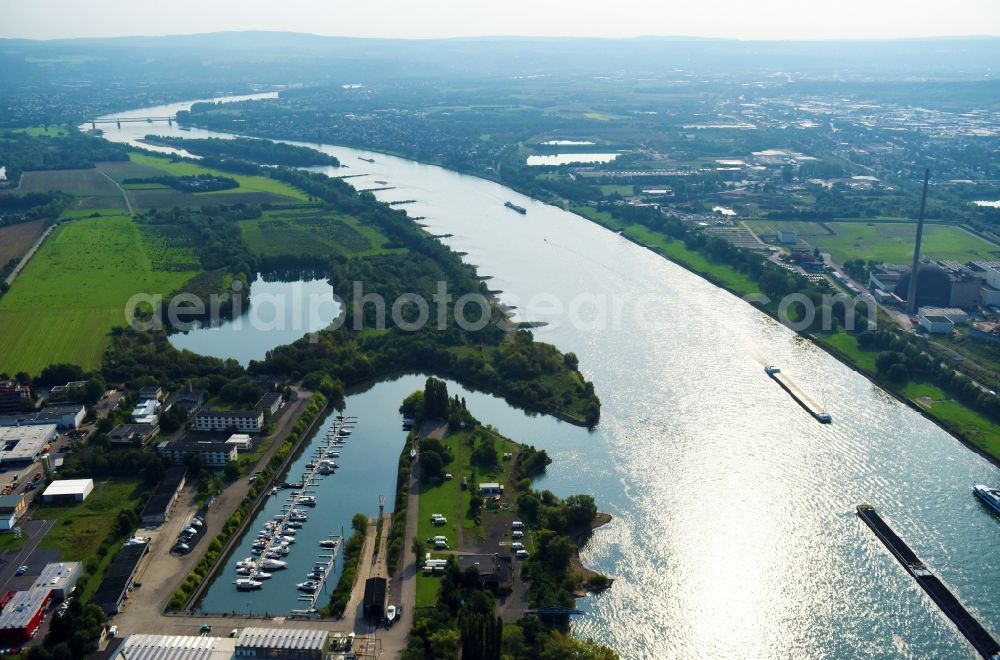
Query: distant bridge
x=129, y=120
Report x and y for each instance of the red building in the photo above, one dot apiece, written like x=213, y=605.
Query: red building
x=23, y=614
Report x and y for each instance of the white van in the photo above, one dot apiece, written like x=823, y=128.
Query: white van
x=516, y=546
x=517, y=524
x=522, y=554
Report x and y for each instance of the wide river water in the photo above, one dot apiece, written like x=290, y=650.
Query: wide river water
x=734, y=532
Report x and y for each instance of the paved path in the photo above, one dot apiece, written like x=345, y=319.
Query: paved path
x=28, y=255
x=128, y=202
x=404, y=587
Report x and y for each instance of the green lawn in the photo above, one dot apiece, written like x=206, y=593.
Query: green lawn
x=39, y=131
x=260, y=184
x=721, y=274
x=847, y=345
x=883, y=242
x=310, y=231
x=74, y=291
x=977, y=429
x=428, y=587
x=624, y=191
x=81, y=527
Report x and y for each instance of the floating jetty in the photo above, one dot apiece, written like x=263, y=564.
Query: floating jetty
x=967, y=624
x=798, y=395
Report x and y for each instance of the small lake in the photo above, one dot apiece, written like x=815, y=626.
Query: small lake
x=568, y=143
x=566, y=159
x=279, y=314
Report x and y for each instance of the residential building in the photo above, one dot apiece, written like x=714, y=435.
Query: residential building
x=495, y=571
x=286, y=643
x=242, y=421
x=14, y=397
x=146, y=411
x=60, y=578
x=175, y=647
x=22, y=615
x=117, y=582
x=59, y=390
x=490, y=489
x=64, y=491
x=11, y=508
x=134, y=435
x=190, y=400
x=212, y=452
x=23, y=444
x=158, y=506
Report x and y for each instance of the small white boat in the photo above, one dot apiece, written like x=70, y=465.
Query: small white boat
x=293, y=524
x=246, y=584
x=260, y=575
x=308, y=586
x=328, y=543
x=390, y=613
x=271, y=564
x=307, y=500
x=288, y=539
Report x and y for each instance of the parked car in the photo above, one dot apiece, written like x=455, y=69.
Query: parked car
x=517, y=534
x=522, y=554
x=21, y=570
x=516, y=546
x=438, y=519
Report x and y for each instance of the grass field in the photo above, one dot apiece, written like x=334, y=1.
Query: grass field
x=883, y=242
x=248, y=184
x=48, y=131
x=722, y=274
x=16, y=239
x=310, y=231
x=73, y=292
x=81, y=527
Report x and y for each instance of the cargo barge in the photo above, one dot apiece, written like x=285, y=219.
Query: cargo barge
x=798, y=395
x=514, y=207
x=967, y=624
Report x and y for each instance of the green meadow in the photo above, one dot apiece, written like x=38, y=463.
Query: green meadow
x=248, y=184
x=310, y=231
x=74, y=290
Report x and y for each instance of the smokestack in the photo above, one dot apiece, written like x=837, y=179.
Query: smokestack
x=911, y=295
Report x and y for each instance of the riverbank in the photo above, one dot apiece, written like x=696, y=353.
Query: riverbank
x=594, y=581
x=948, y=424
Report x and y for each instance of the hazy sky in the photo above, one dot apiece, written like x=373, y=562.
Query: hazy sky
x=744, y=19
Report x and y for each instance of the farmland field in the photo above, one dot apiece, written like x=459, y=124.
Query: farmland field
x=310, y=231
x=16, y=239
x=91, y=188
x=883, y=242
x=73, y=292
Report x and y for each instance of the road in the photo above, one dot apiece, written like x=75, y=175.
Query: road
x=128, y=202
x=28, y=255
x=35, y=530
x=404, y=587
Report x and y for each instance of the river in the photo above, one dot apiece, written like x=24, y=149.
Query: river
x=734, y=532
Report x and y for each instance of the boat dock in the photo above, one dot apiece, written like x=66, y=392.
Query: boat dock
x=798, y=395
x=967, y=624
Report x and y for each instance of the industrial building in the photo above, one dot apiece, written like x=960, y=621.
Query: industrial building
x=23, y=444
x=22, y=615
x=157, y=509
x=936, y=325
x=241, y=421
x=287, y=643
x=64, y=491
x=68, y=416
x=117, y=582
x=269, y=403
x=60, y=578
x=175, y=647
x=376, y=593
x=11, y=508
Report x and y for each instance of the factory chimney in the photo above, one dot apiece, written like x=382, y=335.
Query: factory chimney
x=911, y=295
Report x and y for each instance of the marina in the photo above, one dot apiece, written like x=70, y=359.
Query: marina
x=967, y=624
x=279, y=534
x=798, y=395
